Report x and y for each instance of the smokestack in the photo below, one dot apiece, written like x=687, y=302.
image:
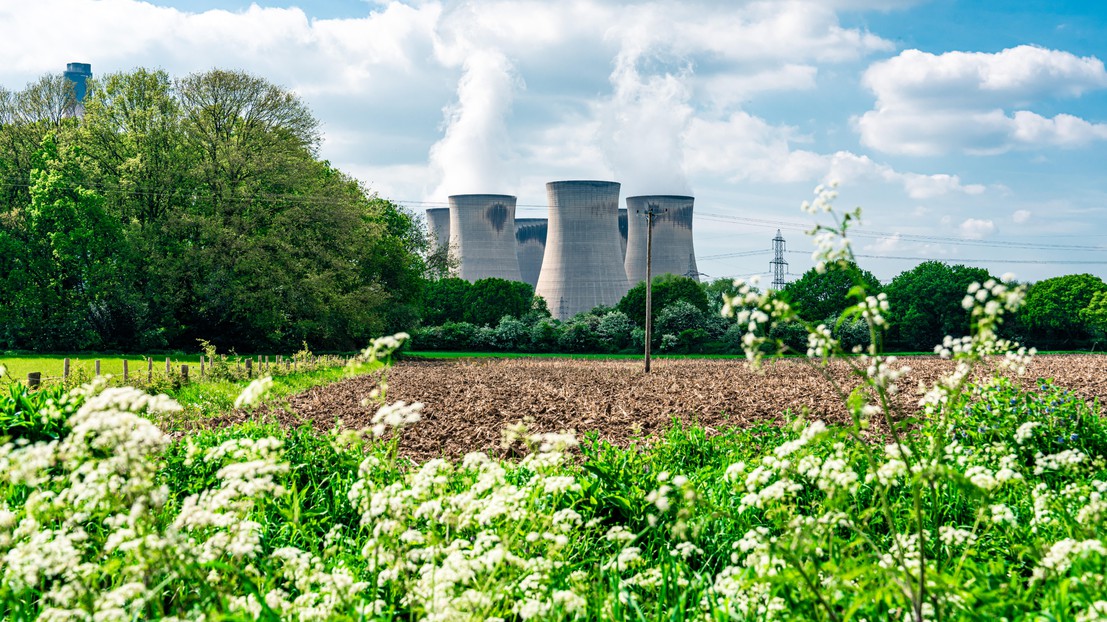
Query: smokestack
x=673, y=252
x=438, y=226
x=482, y=234
x=582, y=268
x=530, y=238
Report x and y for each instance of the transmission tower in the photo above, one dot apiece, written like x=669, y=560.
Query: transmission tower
x=778, y=265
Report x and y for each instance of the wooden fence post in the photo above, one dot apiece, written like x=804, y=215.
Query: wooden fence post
x=65, y=369
x=184, y=374
x=249, y=368
x=126, y=373
x=168, y=367
x=97, y=364
x=149, y=369
x=34, y=379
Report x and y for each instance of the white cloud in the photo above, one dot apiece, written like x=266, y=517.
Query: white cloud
x=1020, y=216
x=976, y=228
x=975, y=102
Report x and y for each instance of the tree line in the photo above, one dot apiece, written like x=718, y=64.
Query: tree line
x=174, y=210
x=927, y=303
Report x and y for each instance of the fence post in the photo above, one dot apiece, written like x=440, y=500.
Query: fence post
x=149, y=369
x=97, y=363
x=168, y=367
x=65, y=369
x=249, y=368
x=34, y=378
x=126, y=373
x=184, y=374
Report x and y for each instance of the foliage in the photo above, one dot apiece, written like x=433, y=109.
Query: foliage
x=614, y=329
x=191, y=209
x=927, y=302
x=666, y=289
x=1095, y=316
x=818, y=295
x=1055, y=309
x=490, y=299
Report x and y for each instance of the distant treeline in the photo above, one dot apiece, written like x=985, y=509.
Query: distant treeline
x=174, y=210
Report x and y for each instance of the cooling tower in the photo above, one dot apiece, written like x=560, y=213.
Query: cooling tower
x=623, y=230
x=438, y=226
x=672, y=237
x=582, y=267
x=482, y=236
x=530, y=238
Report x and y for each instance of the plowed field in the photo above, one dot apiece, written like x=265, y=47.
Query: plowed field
x=469, y=402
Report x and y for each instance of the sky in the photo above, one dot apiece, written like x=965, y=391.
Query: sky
x=972, y=132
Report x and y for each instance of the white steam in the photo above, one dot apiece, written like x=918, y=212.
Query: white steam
x=474, y=154
x=644, y=127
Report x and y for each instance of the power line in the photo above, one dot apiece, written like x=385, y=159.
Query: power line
x=963, y=260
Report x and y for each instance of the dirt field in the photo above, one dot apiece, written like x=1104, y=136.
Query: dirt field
x=469, y=402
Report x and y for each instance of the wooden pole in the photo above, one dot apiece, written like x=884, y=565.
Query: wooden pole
x=97, y=364
x=649, y=285
x=184, y=374
x=249, y=368
x=149, y=369
x=125, y=371
x=168, y=367
x=34, y=379
x=65, y=369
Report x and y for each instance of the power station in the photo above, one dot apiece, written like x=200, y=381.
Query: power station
x=582, y=267
x=673, y=252
x=588, y=252
x=482, y=236
x=530, y=238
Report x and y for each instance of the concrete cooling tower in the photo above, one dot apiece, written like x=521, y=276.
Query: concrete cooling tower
x=623, y=230
x=482, y=234
x=438, y=226
x=673, y=252
x=582, y=267
x=530, y=239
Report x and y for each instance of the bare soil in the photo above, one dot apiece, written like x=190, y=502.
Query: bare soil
x=467, y=403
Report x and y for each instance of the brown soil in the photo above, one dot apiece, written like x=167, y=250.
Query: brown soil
x=467, y=403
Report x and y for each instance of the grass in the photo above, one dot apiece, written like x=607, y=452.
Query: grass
x=52, y=365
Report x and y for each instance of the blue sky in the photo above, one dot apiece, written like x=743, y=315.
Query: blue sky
x=970, y=132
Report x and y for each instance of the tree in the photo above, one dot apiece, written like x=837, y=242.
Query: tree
x=1055, y=310
x=75, y=295
x=444, y=301
x=926, y=304
x=817, y=296
x=715, y=291
x=490, y=299
x=667, y=288
x=1095, y=316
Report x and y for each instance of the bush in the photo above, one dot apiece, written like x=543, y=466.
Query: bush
x=614, y=330
x=577, y=337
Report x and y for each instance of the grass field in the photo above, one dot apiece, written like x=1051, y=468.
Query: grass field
x=51, y=365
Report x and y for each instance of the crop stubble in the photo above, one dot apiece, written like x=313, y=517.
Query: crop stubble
x=468, y=403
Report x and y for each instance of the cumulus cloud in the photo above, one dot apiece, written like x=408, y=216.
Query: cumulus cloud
x=976, y=228
x=977, y=103
x=1021, y=216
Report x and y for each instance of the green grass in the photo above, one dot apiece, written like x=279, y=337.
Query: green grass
x=51, y=365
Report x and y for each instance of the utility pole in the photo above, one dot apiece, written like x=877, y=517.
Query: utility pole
x=650, y=212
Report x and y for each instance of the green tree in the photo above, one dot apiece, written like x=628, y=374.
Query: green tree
x=926, y=304
x=817, y=296
x=1055, y=311
x=667, y=289
x=490, y=299
x=1095, y=316
x=75, y=295
x=444, y=301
